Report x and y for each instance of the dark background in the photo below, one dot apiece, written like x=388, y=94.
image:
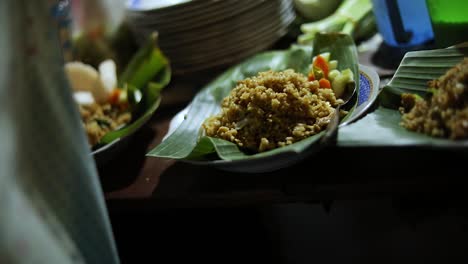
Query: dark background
x=430, y=229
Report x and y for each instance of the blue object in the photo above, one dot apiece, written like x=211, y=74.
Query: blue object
x=403, y=23
x=365, y=89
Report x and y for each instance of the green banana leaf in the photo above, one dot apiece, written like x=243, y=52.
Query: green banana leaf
x=147, y=73
x=187, y=142
x=382, y=127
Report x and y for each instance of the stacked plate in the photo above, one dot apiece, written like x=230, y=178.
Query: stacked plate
x=201, y=34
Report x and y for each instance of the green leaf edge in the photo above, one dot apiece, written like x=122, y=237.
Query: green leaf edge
x=193, y=147
x=149, y=62
x=384, y=120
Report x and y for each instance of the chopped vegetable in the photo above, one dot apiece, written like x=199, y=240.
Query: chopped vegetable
x=332, y=64
x=114, y=97
x=353, y=17
x=145, y=64
x=324, y=83
x=102, y=122
x=333, y=74
x=334, y=79
x=339, y=82
x=322, y=64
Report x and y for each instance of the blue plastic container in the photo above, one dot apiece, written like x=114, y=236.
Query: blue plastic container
x=403, y=23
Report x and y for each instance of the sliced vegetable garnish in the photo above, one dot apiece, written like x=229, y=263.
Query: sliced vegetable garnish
x=144, y=65
x=321, y=63
x=332, y=63
x=324, y=83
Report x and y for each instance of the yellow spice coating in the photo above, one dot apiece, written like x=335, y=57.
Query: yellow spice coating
x=272, y=109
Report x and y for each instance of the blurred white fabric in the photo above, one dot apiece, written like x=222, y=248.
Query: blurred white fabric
x=52, y=208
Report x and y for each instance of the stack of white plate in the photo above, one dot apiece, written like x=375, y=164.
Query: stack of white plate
x=201, y=34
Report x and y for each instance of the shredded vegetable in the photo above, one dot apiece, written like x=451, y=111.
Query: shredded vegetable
x=353, y=17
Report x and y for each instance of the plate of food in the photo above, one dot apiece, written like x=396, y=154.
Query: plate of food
x=270, y=111
x=424, y=105
x=113, y=107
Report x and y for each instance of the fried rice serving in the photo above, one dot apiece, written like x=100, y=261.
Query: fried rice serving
x=98, y=119
x=445, y=114
x=273, y=109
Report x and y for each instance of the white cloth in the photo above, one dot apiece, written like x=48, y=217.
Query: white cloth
x=52, y=208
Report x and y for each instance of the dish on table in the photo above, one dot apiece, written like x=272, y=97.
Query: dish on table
x=112, y=108
x=444, y=111
x=186, y=142
x=385, y=126
x=368, y=92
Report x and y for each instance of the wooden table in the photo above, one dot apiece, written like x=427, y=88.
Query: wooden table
x=133, y=181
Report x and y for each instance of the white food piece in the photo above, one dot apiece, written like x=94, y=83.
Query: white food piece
x=83, y=77
x=108, y=75
x=138, y=95
x=83, y=97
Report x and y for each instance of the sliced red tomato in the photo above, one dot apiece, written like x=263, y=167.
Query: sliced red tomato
x=324, y=83
x=322, y=64
x=114, y=97
x=311, y=76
